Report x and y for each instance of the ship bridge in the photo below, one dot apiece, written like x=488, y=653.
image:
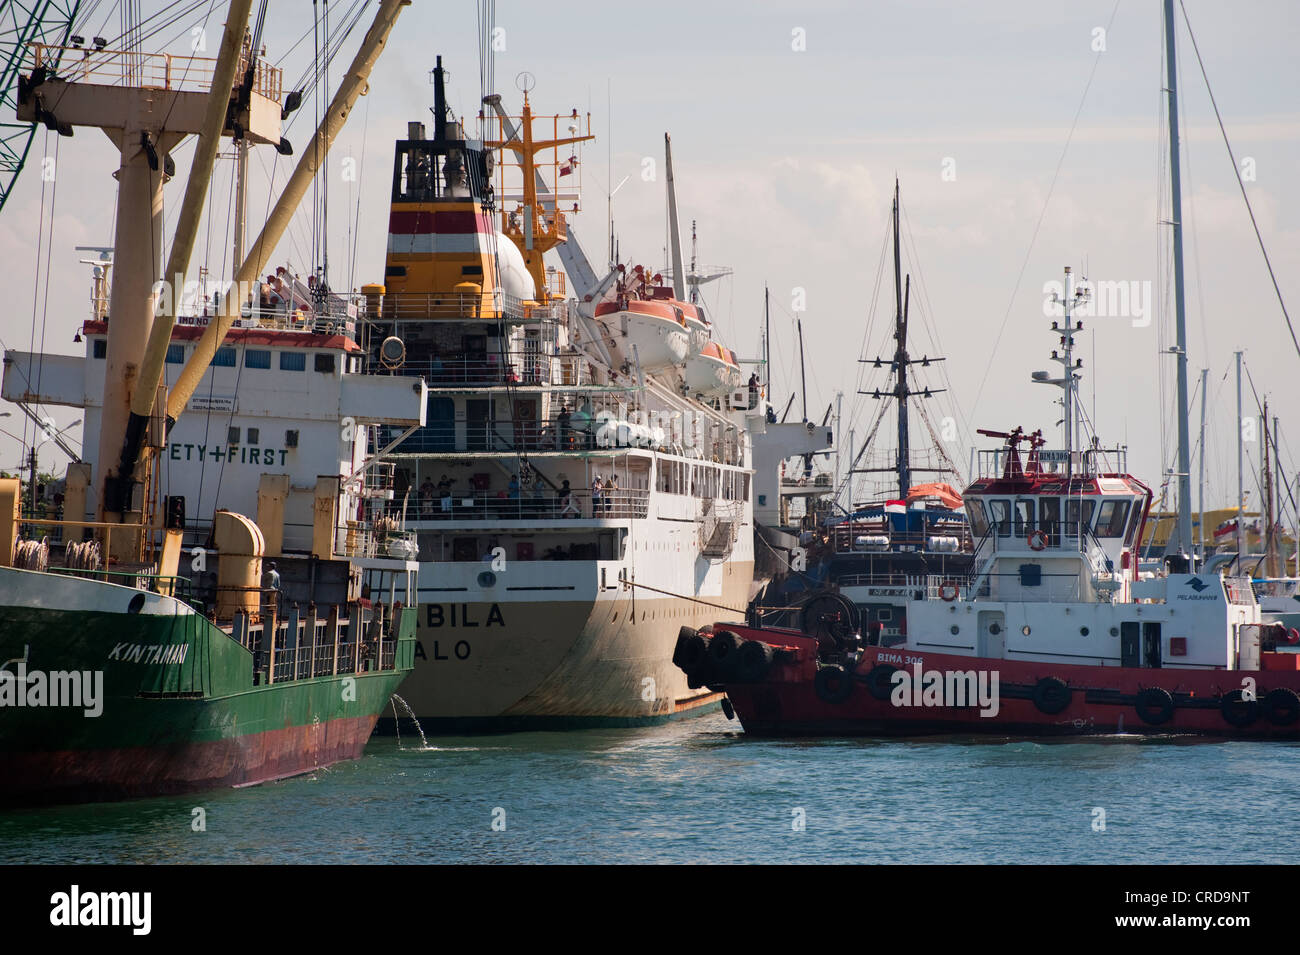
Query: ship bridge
x=1035, y=520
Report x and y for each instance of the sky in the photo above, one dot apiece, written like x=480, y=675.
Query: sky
x=1026, y=136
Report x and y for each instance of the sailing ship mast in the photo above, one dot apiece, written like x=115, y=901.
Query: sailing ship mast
x=899, y=364
x=1184, y=472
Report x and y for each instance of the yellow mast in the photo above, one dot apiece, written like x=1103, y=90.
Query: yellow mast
x=534, y=231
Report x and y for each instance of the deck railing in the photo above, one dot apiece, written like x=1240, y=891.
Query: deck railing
x=501, y=506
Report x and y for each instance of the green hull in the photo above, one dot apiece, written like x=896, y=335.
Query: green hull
x=178, y=706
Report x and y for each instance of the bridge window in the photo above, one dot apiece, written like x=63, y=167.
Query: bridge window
x=979, y=525
x=1078, y=515
x=1024, y=519
x=1111, y=517
x=1133, y=523
x=1000, y=514
x=1051, y=519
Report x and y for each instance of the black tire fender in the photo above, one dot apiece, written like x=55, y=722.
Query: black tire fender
x=753, y=661
x=1282, y=706
x=880, y=681
x=1155, y=705
x=1051, y=695
x=1237, y=710
x=833, y=684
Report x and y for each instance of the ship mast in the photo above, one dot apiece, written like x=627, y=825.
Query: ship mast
x=1180, y=349
x=899, y=364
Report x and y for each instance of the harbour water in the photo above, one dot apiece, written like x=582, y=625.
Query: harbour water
x=700, y=791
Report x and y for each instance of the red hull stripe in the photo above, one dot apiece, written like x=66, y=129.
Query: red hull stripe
x=402, y=222
x=250, y=336
x=139, y=771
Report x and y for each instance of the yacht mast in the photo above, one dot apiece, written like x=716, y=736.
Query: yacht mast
x=1241, y=516
x=1180, y=349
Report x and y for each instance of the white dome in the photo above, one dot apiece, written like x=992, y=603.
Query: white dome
x=514, y=278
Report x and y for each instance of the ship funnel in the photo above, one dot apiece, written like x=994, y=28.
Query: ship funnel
x=415, y=130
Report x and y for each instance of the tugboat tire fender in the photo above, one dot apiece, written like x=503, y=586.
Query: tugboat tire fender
x=833, y=684
x=1237, y=710
x=1282, y=706
x=1051, y=695
x=753, y=661
x=880, y=681
x=1155, y=705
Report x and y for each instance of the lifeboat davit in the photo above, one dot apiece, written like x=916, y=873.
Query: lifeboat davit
x=714, y=371
x=656, y=328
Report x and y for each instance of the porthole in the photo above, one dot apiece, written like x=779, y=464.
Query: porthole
x=1025, y=630
x=1083, y=631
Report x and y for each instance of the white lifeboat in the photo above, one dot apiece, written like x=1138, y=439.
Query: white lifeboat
x=698, y=328
x=714, y=371
x=656, y=328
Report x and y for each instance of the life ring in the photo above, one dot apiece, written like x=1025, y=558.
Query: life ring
x=948, y=591
x=833, y=684
x=1037, y=540
x=1155, y=705
x=880, y=681
x=1282, y=706
x=1237, y=710
x=1051, y=695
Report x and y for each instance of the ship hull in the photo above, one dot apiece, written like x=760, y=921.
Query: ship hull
x=164, y=702
x=1098, y=700
x=603, y=660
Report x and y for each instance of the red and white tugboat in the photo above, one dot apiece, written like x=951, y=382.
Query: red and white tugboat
x=1053, y=632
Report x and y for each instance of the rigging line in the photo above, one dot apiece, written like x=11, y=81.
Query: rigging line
x=49, y=251
x=930, y=323
x=632, y=583
x=1240, y=184
x=1041, y=216
x=36, y=284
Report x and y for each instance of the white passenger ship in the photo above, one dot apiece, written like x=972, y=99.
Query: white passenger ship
x=546, y=603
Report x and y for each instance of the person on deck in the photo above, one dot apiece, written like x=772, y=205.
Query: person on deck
x=444, y=493
x=611, y=493
x=562, y=428
x=597, y=496
x=565, y=499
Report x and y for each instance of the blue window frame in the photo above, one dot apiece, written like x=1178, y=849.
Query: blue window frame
x=176, y=354
x=293, y=361
x=224, y=358
x=257, y=358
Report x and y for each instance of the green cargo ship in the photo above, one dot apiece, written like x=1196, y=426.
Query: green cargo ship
x=112, y=692
x=119, y=677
